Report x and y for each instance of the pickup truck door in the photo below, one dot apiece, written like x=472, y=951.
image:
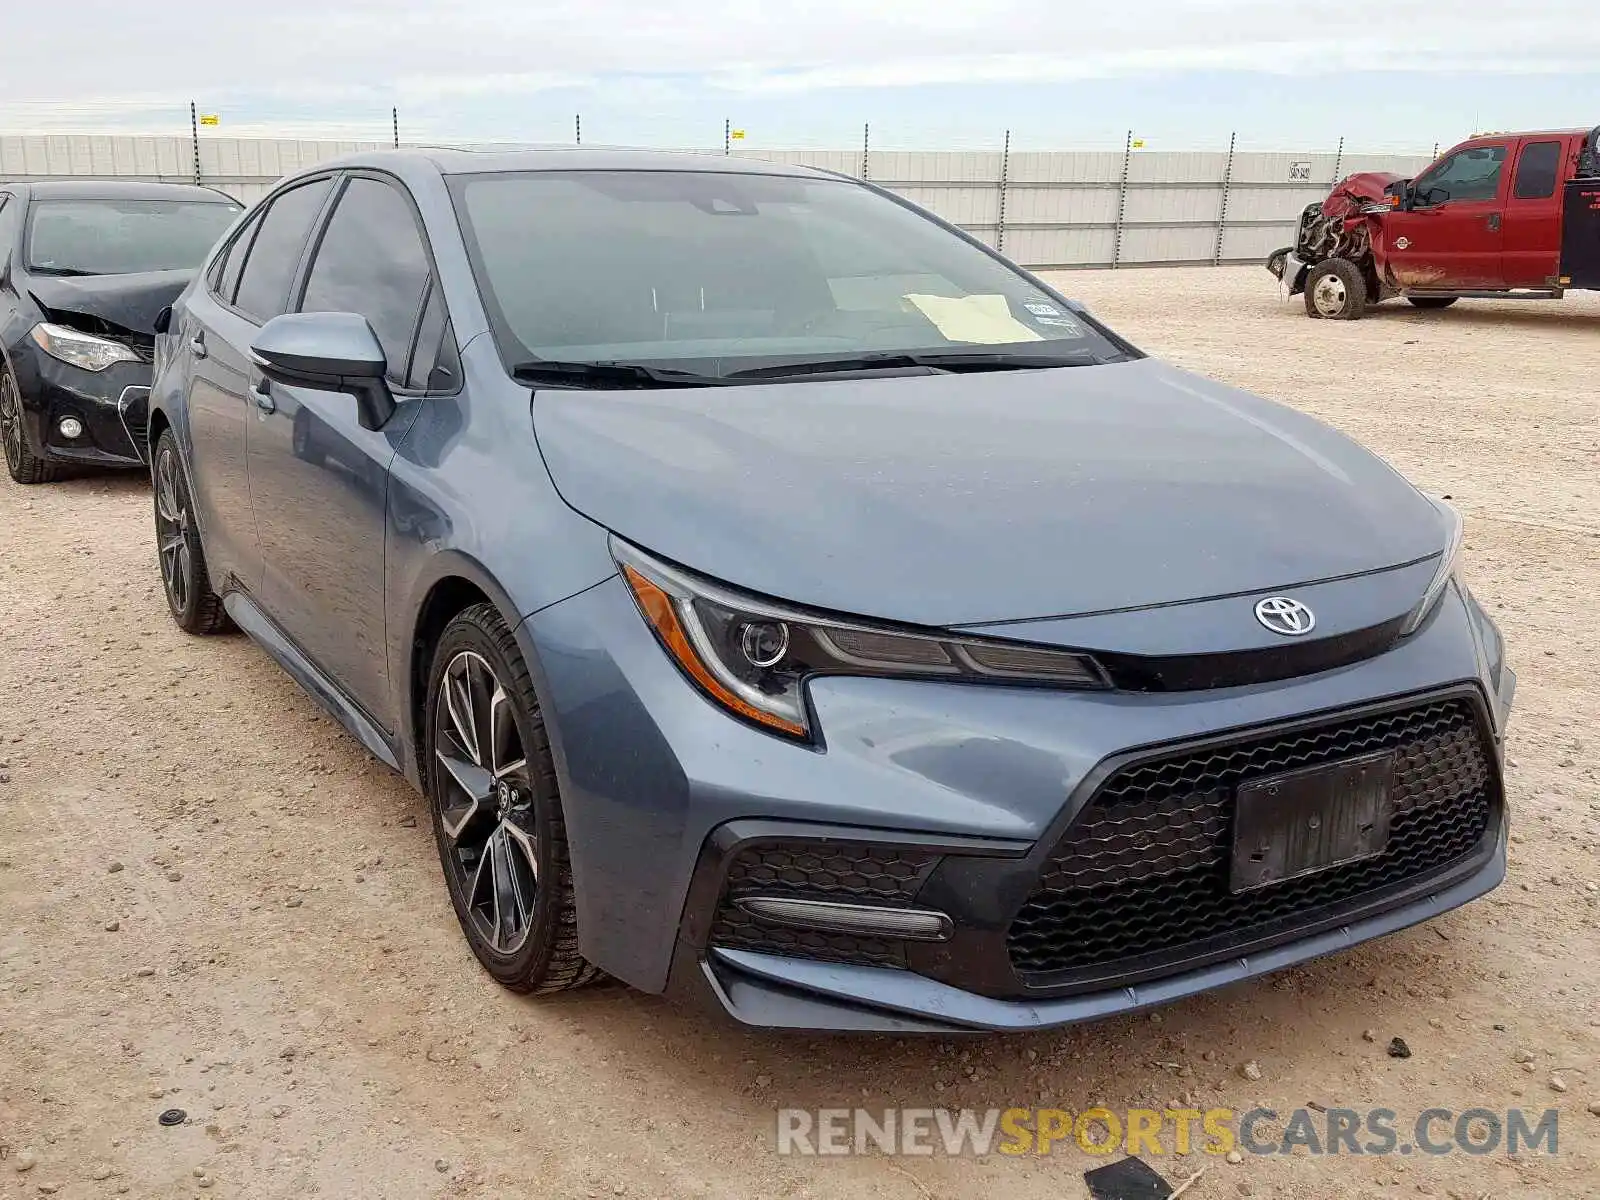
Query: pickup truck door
x=1453, y=235
x=1533, y=211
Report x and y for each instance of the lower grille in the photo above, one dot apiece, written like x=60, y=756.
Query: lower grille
x=1143, y=871
x=855, y=873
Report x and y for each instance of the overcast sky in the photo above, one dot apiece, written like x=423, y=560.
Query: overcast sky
x=1183, y=73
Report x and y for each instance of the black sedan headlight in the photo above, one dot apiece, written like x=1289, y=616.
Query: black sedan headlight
x=753, y=656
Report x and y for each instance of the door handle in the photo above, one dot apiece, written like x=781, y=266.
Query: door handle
x=1494, y=222
x=261, y=393
x=197, y=345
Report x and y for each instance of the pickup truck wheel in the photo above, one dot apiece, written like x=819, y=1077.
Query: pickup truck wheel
x=1335, y=290
x=1433, y=301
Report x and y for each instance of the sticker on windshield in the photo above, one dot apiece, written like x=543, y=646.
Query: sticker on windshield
x=1041, y=309
x=1060, y=323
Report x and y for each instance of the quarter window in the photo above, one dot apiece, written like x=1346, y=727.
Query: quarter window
x=263, y=291
x=372, y=261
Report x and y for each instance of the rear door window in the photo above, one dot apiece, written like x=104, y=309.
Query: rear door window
x=1537, y=170
x=263, y=291
x=372, y=261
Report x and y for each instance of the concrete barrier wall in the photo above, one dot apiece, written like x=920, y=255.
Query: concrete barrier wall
x=1045, y=209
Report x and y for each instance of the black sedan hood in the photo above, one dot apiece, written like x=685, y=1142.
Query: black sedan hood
x=131, y=301
x=974, y=498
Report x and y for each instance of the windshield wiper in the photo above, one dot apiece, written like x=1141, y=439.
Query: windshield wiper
x=608, y=375
x=940, y=360
x=66, y=272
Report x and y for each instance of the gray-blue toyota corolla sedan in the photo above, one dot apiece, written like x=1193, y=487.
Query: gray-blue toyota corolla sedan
x=780, y=596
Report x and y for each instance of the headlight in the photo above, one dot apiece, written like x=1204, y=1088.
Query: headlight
x=1449, y=561
x=753, y=656
x=80, y=349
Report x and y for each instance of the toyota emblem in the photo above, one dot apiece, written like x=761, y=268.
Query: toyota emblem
x=1286, y=616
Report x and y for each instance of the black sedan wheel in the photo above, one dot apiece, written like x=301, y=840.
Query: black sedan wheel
x=496, y=809
x=25, y=466
x=195, y=607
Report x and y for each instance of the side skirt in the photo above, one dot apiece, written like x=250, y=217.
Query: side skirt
x=249, y=617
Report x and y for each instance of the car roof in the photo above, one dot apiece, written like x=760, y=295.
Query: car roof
x=451, y=161
x=120, y=189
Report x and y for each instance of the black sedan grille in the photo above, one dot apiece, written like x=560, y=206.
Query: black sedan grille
x=1143, y=873
x=851, y=873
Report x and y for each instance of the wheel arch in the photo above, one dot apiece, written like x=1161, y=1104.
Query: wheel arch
x=456, y=582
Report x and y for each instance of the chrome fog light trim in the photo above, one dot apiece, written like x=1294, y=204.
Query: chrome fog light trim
x=907, y=924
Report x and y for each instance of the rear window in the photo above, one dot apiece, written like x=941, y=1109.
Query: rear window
x=728, y=268
x=121, y=237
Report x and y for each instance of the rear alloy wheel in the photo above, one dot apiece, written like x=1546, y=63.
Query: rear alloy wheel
x=1335, y=290
x=496, y=809
x=184, y=578
x=25, y=466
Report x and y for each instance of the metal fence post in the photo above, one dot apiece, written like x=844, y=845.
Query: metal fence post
x=577, y=127
x=394, y=114
x=727, y=135
x=1122, y=200
x=1005, y=169
x=1338, y=163
x=866, y=150
x=194, y=137
x=1222, y=217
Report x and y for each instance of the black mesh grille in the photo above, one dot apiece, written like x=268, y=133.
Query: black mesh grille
x=1144, y=868
x=847, y=872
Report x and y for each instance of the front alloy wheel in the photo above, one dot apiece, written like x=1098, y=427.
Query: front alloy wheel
x=497, y=814
x=24, y=465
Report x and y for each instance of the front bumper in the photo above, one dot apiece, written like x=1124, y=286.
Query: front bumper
x=788, y=993
x=1289, y=269
x=663, y=791
x=113, y=406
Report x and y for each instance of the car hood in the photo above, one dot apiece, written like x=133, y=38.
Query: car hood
x=131, y=301
x=973, y=498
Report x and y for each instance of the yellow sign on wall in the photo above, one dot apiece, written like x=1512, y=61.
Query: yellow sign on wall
x=211, y=118
x=737, y=135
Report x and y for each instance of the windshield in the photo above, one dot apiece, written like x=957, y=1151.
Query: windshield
x=720, y=273
x=119, y=237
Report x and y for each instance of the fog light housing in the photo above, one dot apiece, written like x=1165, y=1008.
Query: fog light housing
x=71, y=428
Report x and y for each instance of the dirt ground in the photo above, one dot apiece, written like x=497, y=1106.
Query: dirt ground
x=275, y=953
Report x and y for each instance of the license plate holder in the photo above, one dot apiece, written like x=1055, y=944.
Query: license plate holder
x=1313, y=819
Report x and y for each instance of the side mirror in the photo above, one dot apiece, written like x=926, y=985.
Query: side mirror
x=329, y=351
x=164, y=320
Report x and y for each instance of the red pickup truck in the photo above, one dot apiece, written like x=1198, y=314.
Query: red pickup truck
x=1502, y=216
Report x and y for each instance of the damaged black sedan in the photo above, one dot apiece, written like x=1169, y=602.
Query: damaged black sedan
x=85, y=271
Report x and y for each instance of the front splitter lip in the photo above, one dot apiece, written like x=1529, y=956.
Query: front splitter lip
x=774, y=992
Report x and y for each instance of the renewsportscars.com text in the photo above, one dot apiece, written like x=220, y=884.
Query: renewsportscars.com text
x=1156, y=1132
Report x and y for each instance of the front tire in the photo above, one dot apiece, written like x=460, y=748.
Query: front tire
x=24, y=465
x=184, y=576
x=497, y=809
x=1336, y=291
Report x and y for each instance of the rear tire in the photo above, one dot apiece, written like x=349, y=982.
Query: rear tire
x=1336, y=291
x=1433, y=301
x=184, y=575
x=25, y=466
x=497, y=818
